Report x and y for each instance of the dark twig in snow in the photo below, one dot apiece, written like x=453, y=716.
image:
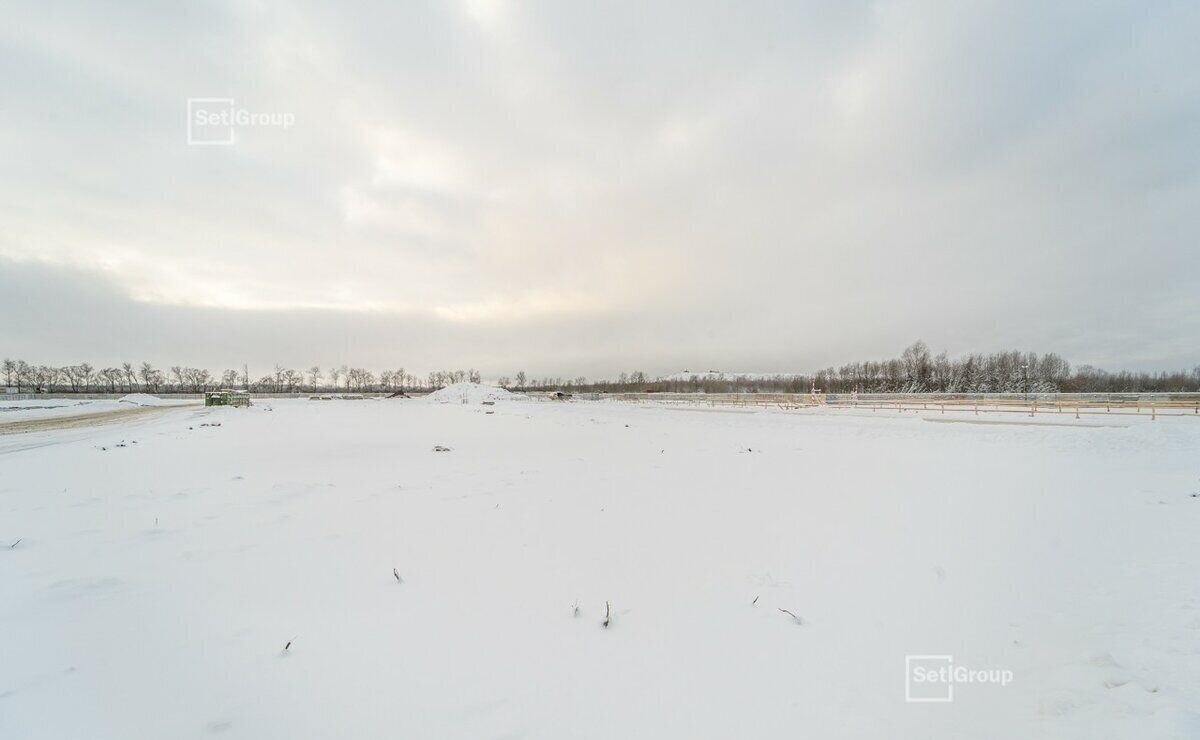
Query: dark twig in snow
x=793, y=616
x=15, y=543
x=396, y=573
x=575, y=610
x=607, y=614
x=755, y=602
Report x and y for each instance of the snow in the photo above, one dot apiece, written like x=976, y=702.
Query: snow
x=53, y=408
x=472, y=393
x=142, y=399
x=39, y=408
x=153, y=586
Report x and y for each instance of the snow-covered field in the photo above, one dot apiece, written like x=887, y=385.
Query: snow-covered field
x=159, y=567
x=52, y=408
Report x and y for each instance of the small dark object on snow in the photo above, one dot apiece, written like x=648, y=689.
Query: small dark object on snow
x=793, y=616
x=440, y=448
x=755, y=602
x=396, y=573
x=15, y=543
x=575, y=610
x=607, y=615
x=288, y=645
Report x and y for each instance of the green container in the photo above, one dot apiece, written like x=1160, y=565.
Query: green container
x=226, y=398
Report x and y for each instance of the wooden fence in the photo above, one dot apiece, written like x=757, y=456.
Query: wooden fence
x=1148, y=405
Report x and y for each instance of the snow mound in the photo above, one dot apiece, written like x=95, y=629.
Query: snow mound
x=471, y=393
x=142, y=399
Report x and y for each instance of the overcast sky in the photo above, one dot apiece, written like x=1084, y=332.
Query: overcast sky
x=585, y=188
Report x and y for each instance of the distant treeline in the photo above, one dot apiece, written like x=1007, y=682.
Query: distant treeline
x=146, y=378
x=916, y=370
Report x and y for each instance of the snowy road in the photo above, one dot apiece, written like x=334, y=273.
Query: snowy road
x=157, y=570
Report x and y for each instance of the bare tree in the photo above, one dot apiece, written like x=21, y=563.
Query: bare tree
x=112, y=376
x=148, y=375
x=70, y=373
x=86, y=371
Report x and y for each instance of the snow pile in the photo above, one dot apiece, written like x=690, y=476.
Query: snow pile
x=142, y=399
x=471, y=393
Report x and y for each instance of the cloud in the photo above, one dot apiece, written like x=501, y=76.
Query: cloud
x=773, y=187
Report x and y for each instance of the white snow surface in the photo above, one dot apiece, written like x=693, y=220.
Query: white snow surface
x=50, y=408
x=143, y=399
x=150, y=588
x=46, y=408
x=472, y=393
